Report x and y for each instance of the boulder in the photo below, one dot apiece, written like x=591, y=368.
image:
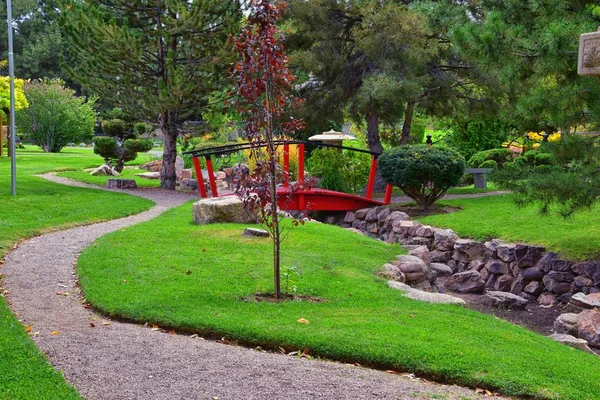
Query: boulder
x=490, y=283
x=418, y=240
x=561, y=276
x=572, y=341
x=504, y=283
x=584, y=301
x=422, y=252
x=506, y=252
x=491, y=248
x=121, y=184
x=544, y=263
x=476, y=265
x=360, y=224
x=505, y=300
x=444, y=239
x=362, y=213
x=425, y=296
x=497, y=267
x=465, y=282
x=403, y=227
x=104, y=170
x=422, y=285
x=560, y=265
x=179, y=166
x=394, y=218
x=567, y=324
x=534, y=288
x=255, y=232
x=532, y=274
x=424, y=231
x=414, y=277
x=588, y=327
x=152, y=166
x=221, y=209
x=188, y=184
x=391, y=271
x=382, y=216
x=528, y=255
x=473, y=249
x=371, y=215
x=349, y=218
x=438, y=256
x=556, y=286
x=583, y=281
x=547, y=299
x=441, y=270
x=518, y=285
x=149, y=175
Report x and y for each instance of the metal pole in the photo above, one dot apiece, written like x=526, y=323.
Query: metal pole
x=11, y=73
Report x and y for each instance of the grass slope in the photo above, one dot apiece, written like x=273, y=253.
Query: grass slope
x=576, y=238
x=38, y=207
x=202, y=283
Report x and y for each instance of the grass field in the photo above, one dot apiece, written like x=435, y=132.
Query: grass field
x=41, y=206
x=577, y=238
x=207, y=286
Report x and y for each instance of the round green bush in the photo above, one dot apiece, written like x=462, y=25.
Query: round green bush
x=501, y=156
x=424, y=173
x=114, y=127
x=489, y=164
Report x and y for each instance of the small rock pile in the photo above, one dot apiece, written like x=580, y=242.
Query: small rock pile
x=528, y=271
x=580, y=327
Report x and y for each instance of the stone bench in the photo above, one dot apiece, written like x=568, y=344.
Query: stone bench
x=479, y=176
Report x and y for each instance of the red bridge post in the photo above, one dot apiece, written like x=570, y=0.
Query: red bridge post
x=211, y=177
x=301, y=199
x=286, y=165
x=371, y=182
x=388, y=194
x=199, y=177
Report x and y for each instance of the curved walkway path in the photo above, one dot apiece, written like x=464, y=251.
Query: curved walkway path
x=114, y=360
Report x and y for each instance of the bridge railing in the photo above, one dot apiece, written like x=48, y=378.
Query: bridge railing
x=232, y=148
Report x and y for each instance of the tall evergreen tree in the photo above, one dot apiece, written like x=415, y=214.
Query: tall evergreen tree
x=156, y=59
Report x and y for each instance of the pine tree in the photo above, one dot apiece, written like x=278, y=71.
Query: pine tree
x=156, y=59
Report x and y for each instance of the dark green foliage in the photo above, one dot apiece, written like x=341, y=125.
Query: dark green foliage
x=114, y=127
x=472, y=136
x=141, y=128
x=423, y=173
x=343, y=172
x=120, y=145
x=566, y=178
x=501, y=156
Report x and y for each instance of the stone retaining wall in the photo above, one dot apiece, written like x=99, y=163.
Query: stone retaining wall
x=525, y=270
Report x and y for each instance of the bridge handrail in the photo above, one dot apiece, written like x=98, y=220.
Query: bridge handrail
x=228, y=148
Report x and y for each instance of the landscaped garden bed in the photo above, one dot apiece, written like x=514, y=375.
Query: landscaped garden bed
x=200, y=288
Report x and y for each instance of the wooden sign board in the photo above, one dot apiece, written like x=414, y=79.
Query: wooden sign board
x=589, y=54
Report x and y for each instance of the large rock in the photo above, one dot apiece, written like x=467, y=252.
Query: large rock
x=473, y=249
x=149, y=175
x=589, y=327
x=567, y=323
x=561, y=276
x=572, y=341
x=188, y=185
x=349, y=218
x=532, y=274
x=561, y=265
x=440, y=256
x=497, y=267
x=152, y=166
x=491, y=248
x=444, y=239
x=179, y=166
x=465, y=282
x=584, y=301
x=419, y=295
x=104, y=170
x=441, y=270
x=544, y=264
x=506, y=252
x=391, y=271
x=422, y=252
x=221, y=209
x=547, y=299
x=505, y=300
x=121, y=184
x=371, y=215
x=424, y=231
x=382, y=216
x=362, y=213
x=393, y=219
x=534, y=288
x=504, y=283
x=403, y=227
x=528, y=255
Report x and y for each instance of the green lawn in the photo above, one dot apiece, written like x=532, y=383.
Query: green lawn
x=41, y=206
x=576, y=238
x=204, y=286
x=457, y=190
x=127, y=173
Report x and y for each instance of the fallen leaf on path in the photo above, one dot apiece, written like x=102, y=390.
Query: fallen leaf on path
x=305, y=353
x=282, y=350
x=155, y=327
x=93, y=325
x=105, y=323
x=54, y=333
x=27, y=328
x=303, y=321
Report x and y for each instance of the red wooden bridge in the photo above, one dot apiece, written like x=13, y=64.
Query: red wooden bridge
x=300, y=198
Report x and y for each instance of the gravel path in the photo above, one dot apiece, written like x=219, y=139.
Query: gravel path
x=114, y=360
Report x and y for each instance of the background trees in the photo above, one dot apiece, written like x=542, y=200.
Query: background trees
x=158, y=60
x=55, y=116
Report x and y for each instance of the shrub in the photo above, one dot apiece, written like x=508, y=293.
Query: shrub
x=423, y=173
x=489, y=164
x=343, y=172
x=501, y=156
x=119, y=145
x=55, y=116
x=472, y=136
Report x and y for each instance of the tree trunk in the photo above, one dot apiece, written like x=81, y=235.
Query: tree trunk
x=408, y=117
x=168, y=177
x=373, y=139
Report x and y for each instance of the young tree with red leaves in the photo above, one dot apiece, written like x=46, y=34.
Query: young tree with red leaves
x=263, y=88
